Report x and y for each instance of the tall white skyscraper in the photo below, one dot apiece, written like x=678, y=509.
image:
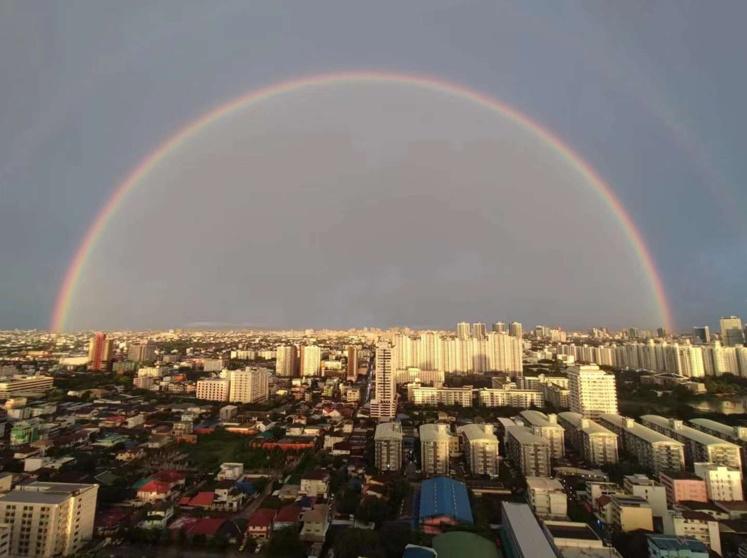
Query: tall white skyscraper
x=731, y=331
x=478, y=330
x=310, y=360
x=515, y=329
x=464, y=331
x=384, y=403
x=499, y=327
x=286, y=361
x=593, y=392
x=250, y=385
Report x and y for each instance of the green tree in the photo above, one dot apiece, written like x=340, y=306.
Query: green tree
x=285, y=543
x=353, y=543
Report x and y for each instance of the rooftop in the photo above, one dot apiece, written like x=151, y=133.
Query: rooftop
x=442, y=496
x=687, y=431
x=525, y=530
x=672, y=543
x=525, y=436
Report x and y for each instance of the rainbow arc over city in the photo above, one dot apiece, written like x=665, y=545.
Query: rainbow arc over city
x=66, y=293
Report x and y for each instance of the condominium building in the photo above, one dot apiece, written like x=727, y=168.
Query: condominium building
x=432, y=396
x=384, y=404
x=480, y=447
x=699, y=446
x=547, y=427
x=722, y=483
x=509, y=396
x=435, y=445
x=213, y=389
x=20, y=384
x=49, y=518
x=735, y=434
x=142, y=352
x=596, y=444
x=547, y=497
x=100, y=352
x=417, y=376
x=731, y=331
x=352, y=363
x=286, y=361
x=693, y=525
x=388, y=446
x=250, y=385
x=683, y=486
x=631, y=513
x=529, y=452
x=654, y=451
x=310, y=360
x=648, y=489
x=593, y=392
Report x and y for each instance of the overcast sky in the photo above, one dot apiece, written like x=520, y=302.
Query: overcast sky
x=372, y=204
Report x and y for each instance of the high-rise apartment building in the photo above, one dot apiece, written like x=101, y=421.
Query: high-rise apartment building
x=463, y=330
x=479, y=331
x=286, y=361
x=731, y=331
x=388, y=446
x=547, y=427
x=529, y=452
x=352, y=363
x=49, y=518
x=384, y=404
x=100, y=352
x=499, y=327
x=213, y=389
x=515, y=329
x=250, y=385
x=702, y=334
x=595, y=443
x=142, y=352
x=310, y=358
x=592, y=391
x=435, y=446
x=480, y=447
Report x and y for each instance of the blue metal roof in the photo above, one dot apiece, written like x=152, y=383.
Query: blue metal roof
x=445, y=496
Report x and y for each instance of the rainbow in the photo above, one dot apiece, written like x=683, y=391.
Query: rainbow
x=66, y=292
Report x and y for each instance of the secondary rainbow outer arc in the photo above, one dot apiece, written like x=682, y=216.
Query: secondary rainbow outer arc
x=599, y=185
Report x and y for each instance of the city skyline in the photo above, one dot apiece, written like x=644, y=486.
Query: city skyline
x=618, y=176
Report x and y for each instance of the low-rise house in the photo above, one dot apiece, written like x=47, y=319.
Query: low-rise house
x=260, y=524
x=316, y=522
x=315, y=483
x=287, y=516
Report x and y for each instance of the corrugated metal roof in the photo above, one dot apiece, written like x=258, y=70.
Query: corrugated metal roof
x=444, y=496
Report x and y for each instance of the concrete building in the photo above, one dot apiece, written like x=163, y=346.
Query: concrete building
x=699, y=446
x=480, y=447
x=352, y=363
x=510, y=396
x=732, y=332
x=547, y=427
x=435, y=449
x=648, y=489
x=547, y=497
x=310, y=360
x=433, y=396
x=596, y=444
x=100, y=352
x=24, y=384
x=631, y=513
x=683, y=486
x=384, y=404
x=388, y=446
x=734, y=434
x=49, y=518
x=142, y=352
x=593, y=392
x=577, y=540
x=670, y=546
x=654, y=451
x=250, y=385
x=524, y=536
x=722, y=483
x=530, y=453
x=213, y=389
x=693, y=525
x=286, y=361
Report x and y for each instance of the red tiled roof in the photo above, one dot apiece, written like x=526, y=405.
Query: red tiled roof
x=202, y=499
x=208, y=526
x=155, y=486
x=263, y=517
x=288, y=514
x=169, y=475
